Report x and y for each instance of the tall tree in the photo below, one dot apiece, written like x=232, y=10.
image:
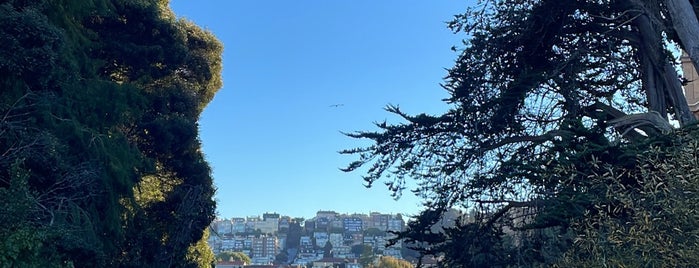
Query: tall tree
x=539, y=84
x=98, y=133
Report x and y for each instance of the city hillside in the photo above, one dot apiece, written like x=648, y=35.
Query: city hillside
x=276, y=239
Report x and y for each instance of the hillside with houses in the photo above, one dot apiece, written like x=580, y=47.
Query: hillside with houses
x=329, y=238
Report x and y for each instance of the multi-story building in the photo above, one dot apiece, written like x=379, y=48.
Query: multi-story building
x=395, y=223
x=233, y=243
x=237, y=225
x=365, y=220
x=306, y=256
x=343, y=252
x=379, y=221
x=251, y=222
x=336, y=224
x=322, y=223
x=309, y=225
x=247, y=242
x=321, y=238
x=336, y=239
x=284, y=223
x=265, y=246
x=305, y=242
x=271, y=246
x=369, y=241
x=267, y=226
x=270, y=216
x=354, y=238
x=352, y=224
x=227, y=244
x=327, y=214
x=239, y=244
x=223, y=226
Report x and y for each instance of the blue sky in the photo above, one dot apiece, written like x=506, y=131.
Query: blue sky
x=296, y=74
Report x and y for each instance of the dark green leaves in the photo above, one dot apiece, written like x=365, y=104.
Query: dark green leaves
x=540, y=91
x=97, y=96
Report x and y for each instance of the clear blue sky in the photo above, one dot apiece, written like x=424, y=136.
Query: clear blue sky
x=272, y=134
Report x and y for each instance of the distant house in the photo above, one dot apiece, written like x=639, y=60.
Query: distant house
x=223, y=226
x=238, y=264
x=231, y=264
x=335, y=263
x=429, y=262
x=352, y=225
x=272, y=266
x=321, y=238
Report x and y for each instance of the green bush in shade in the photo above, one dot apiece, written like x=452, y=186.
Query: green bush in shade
x=101, y=165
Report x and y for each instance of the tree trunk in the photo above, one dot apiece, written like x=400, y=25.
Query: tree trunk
x=685, y=23
x=659, y=77
x=675, y=93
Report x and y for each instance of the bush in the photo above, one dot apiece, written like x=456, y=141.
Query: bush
x=649, y=222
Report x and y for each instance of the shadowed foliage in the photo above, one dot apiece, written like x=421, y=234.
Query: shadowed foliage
x=538, y=85
x=100, y=162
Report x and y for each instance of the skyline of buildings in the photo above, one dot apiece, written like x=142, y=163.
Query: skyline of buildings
x=275, y=239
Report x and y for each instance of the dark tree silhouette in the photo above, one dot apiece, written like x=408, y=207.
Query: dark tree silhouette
x=539, y=84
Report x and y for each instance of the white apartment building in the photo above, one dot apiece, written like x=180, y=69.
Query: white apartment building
x=306, y=242
x=223, y=226
x=321, y=238
x=336, y=239
x=265, y=246
x=238, y=225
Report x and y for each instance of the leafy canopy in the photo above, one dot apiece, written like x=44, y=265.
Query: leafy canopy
x=538, y=84
x=101, y=162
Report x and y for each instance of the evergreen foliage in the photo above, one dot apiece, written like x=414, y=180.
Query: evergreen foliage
x=543, y=95
x=650, y=223
x=101, y=163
